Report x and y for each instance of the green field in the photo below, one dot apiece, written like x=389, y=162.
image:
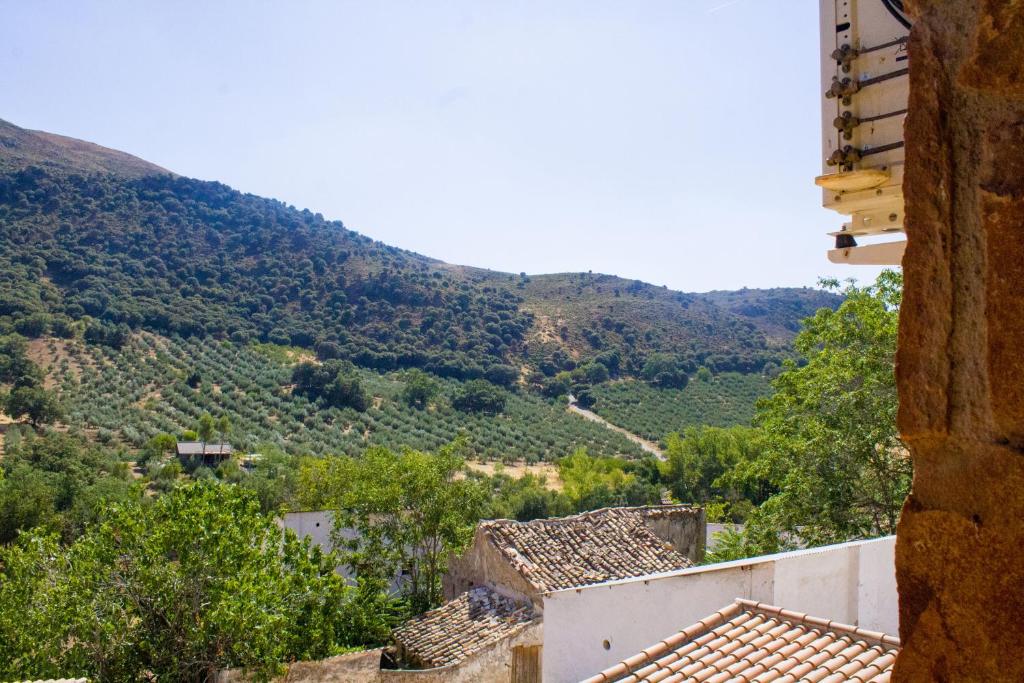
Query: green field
x=125, y=397
x=653, y=413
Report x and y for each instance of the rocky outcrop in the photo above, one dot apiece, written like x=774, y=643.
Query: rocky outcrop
x=960, y=364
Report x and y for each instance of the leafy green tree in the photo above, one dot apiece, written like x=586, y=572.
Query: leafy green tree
x=206, y=427
x=15, y=365
x=223, y=427
x=335, y=383
x=590, y=483
x=56, y=482
x=697, y=460
x=195, y=582
x=830, y=445
x=664, y=370
x=39, y=404
x=419, y=389
x=480, y=396
x=411, y=511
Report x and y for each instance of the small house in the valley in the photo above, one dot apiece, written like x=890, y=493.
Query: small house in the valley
x=492, y=625
x=210, y=454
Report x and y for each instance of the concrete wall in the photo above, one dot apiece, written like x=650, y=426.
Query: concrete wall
x=960, y=362
x=853, y=583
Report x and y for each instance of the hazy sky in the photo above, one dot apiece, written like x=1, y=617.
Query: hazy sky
x=674, y=142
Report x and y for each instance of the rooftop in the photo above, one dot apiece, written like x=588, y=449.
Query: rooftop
x=603, y=545
x=460, y=627
x=203, y=448
x=753, y=642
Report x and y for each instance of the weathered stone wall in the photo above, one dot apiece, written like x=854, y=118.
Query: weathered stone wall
x=685, y=528
x=483, y=565
x=960, y=364
x=492, y=664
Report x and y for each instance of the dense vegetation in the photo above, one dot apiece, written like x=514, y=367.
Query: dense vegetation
x=99, y=242
x=138, y=308
x=653, y=413
x=175, y=589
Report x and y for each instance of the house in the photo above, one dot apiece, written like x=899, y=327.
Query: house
x=492, y=623
x=527, y=559
x=591, y=628
x=751, y=641
x=479, y=631
x=211, y=454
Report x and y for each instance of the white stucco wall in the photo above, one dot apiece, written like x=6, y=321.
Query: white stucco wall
x=318, y=525
x=853, y=583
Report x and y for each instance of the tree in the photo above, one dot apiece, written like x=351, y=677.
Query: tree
x=195, y=582
x=334, y=383
x=205, y=427
x=664, y=370
x=411, y=511
x=15, y=365
x=419, y=389
x=54, y=481
x=480, y=396
x=830, y=446
x=39, y=404
x=223, y=427
x=591, y=483
x=697, y=460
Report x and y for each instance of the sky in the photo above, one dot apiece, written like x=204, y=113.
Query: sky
x=672, y=141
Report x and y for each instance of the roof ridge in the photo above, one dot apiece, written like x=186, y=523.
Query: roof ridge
x=502, y=521
x=817, y=622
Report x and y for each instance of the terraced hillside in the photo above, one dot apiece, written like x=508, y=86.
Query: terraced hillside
x=126, y=396
x=722, y=401
x=161, y=274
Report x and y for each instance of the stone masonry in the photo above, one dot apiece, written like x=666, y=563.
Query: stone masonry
x=960, y=364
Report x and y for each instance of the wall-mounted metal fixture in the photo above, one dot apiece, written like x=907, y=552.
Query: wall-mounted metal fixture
x=864, y=68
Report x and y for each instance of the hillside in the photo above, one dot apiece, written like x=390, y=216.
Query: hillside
x=98, y=244
x=21, y=149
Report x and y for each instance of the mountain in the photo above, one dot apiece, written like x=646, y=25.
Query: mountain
x=88, y=231
x=21, y=148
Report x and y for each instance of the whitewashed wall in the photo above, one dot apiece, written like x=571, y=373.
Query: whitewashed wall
x=853, y=583
x=318, y=525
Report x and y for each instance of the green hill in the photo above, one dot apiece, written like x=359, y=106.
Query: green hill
x=97, y=244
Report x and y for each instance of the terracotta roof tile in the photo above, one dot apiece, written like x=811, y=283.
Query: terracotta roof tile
x=460, y=627
x=603, y=545
x=756, y=643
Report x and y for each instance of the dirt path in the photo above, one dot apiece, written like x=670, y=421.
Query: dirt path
x=648, y=446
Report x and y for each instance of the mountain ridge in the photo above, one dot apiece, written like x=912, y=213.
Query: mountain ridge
x=97, y=235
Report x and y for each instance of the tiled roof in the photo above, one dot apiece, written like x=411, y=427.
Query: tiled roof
x=603, y=545
x=752, y=642
x=460, y=627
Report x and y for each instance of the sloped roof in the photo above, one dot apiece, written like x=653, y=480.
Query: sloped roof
x=201, y=448
x=603, y=545
x=753, y=642
x=460, y=627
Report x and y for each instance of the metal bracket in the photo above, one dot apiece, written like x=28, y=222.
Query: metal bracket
x=846, y=123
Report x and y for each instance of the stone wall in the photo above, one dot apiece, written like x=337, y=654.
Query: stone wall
x=685, y=528
x=492, y=664
x=483, y=565
x=960, y=364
